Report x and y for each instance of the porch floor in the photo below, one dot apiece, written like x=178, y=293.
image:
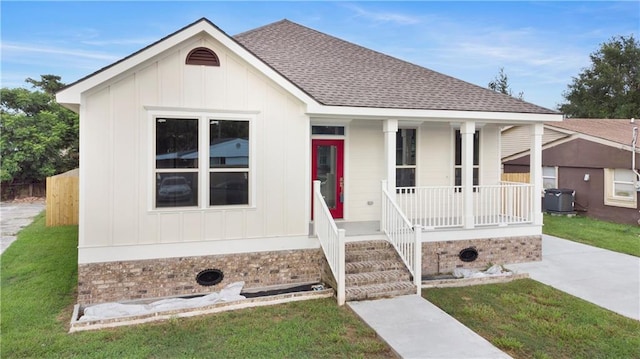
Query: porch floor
x=370, y=230
x=363, y=229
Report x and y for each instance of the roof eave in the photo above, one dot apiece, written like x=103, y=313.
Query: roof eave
x=321, y=111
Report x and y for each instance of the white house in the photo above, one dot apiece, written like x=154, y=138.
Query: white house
x=394, y=146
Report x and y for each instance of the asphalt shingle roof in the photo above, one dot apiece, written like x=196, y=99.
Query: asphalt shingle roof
x=338, y=73
x=616, y=130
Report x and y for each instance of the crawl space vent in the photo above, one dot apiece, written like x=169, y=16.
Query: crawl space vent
x=468, y=254
x=209, y=277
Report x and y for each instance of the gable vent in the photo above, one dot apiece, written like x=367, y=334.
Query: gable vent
x=202, y=56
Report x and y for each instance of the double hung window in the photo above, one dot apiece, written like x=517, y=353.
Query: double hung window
x=228, y=162
x=620, y=188
x=176, y=162
x=201, y=161
x=549, y=177
x=458, y=158
x=406, y=157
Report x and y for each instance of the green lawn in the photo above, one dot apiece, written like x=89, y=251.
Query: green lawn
x=621, y=238
x=38, y=280
x=528, y=319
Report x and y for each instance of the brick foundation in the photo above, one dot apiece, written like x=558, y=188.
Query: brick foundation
x=128, y=280
x=490, y=251
x=118, y=281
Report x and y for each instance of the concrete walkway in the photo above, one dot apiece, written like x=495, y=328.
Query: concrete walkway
x=14, y=216
x=605, y=278
x=415, y=328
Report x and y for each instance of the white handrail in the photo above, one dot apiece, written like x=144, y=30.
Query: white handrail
x=332, y=240
x=405, y=238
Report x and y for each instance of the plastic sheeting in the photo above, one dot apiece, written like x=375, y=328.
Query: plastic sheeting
x=114, y=310
x=495, y=270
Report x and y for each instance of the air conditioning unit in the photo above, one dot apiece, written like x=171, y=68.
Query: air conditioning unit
x=559, y=200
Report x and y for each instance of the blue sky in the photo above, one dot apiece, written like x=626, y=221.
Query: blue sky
x=541, y=45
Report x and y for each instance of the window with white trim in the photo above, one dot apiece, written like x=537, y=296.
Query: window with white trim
x=406, y=157
x=619, y=188
x=228, y=162
x=458, y=158
x=549, y=177
x=176, y=162
x=201, y=161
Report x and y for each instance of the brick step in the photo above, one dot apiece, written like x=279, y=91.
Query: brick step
x=389, y=276
x=370, y=255
x=373, y=266
x=374, y=270
x=384, y=290
x=366, y=245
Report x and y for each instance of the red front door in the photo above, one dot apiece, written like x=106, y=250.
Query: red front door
x=327, y=166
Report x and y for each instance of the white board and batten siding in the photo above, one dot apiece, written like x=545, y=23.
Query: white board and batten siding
x=119, y=221
x=364, y=169
x=490, y=165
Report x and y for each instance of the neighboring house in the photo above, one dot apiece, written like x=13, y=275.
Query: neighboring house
x=594, y=157
x=309, y=107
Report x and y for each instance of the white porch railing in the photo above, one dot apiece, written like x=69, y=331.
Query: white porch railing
x=432, y=207
x=503, y=204
x=331, y=239
x=506, y=203
x=404, y=237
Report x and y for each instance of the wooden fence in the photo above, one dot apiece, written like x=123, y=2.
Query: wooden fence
x=516, y=177
x=63, y=199
x=11, y=191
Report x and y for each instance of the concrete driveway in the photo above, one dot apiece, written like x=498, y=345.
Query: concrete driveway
x=14, y=216
x=605, y=278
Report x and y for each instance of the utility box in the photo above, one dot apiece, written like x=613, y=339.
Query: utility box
x=559, y=200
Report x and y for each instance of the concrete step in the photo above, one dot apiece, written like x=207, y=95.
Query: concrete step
x=384, y=290
x=374, y=266
x=389, y=276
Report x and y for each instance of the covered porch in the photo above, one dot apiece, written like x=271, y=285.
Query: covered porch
x=473, y=206
x=467, y=202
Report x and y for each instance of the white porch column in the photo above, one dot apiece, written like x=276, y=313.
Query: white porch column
x=467, y=130
x=390, y=127
x=535, y=169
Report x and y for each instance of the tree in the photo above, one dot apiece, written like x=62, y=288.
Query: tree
x=50, y=84
x=501, y=84
x=38, y=137
x=610, y=87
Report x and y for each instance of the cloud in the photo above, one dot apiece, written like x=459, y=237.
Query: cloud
x=384, y=16
x=21, y=60
x=111, y=42
x=13, y=49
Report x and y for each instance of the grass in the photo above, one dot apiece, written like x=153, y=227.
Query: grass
x=38, y=280
x=528, y=319
x=616, y=237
